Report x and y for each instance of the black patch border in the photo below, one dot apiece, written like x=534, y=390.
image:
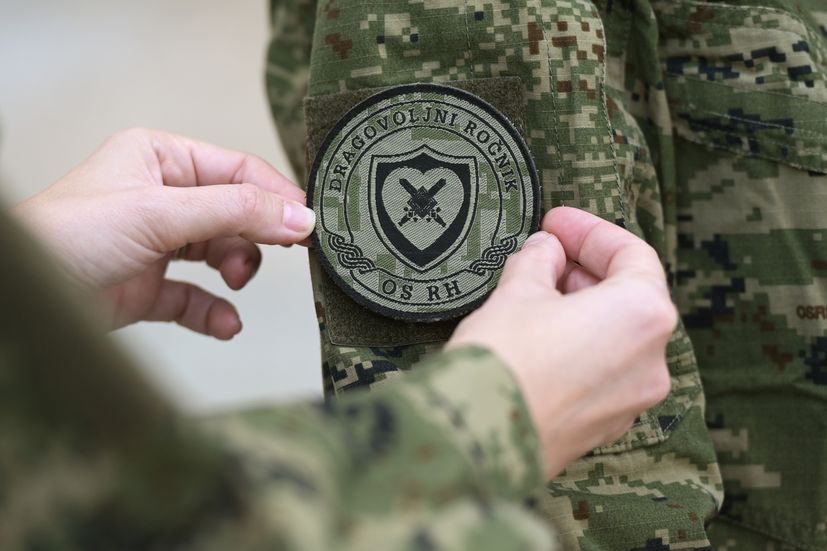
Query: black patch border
x=422, y=317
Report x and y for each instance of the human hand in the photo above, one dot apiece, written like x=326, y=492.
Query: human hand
x=582, y=316
x=116, y=220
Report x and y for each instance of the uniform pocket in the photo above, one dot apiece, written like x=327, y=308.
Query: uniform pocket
x=746, y=85
x=715, y=56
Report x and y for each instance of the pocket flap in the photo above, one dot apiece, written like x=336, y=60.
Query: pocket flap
x=745, y=79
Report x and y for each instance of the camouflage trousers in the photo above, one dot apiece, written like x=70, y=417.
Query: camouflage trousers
x=699, y=126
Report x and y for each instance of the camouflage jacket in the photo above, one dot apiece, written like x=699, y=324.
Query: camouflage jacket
x=92, y=457
x=698, y=125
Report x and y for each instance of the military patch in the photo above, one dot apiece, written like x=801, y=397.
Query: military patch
x=421, y=192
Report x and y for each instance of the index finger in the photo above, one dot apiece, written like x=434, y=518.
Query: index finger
x=604, y=249
x=184, y=162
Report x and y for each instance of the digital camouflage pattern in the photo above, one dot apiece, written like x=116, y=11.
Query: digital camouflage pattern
x=750, y=278
x=699, y=126
x=92, y=457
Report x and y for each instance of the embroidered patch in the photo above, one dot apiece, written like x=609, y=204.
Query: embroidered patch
x=421, y=192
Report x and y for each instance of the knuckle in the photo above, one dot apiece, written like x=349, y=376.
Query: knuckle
x=656, y=387
x=532, y=269
x=248, y=199
x=656, y=313
x=135, y=137
x=252, y=160
x=650, y=252
x=242, y=169
x=666, y=317
x=133, y=134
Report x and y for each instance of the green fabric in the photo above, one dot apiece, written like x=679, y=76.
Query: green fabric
x=349, y=324
x=750, y=278
x=86, y=442
x=663, y=473
x=92, y=457
x=700, y=126
x=424, y=464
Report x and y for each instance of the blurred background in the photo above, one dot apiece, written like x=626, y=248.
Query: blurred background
x=71, y=73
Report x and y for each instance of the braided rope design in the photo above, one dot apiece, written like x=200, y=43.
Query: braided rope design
x=494, y=257
x=349, y=255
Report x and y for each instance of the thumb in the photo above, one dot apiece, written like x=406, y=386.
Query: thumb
x=541, y=262
x=194, y=214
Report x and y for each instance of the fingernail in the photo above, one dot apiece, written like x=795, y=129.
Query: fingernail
x=235, y=330
x=535, y=238
x=298, y=218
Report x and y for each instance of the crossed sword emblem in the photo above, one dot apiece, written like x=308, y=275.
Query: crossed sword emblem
x=422, y=203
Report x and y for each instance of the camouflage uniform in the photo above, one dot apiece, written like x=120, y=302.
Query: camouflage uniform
x=700, y=126
x=94, y=458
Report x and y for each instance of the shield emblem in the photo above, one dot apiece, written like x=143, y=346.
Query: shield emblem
x=422, y=203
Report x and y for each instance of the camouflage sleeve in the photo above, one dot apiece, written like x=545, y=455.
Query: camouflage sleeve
x=94, y=458
x=439, y=461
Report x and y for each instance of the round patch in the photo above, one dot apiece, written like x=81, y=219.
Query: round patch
x=421, y=192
